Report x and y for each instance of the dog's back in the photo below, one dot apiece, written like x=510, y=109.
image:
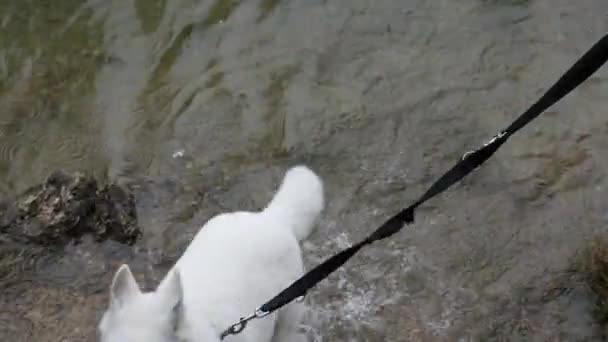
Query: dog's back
x=239, y=260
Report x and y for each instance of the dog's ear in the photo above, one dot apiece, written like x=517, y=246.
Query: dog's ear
x=172, y=295
x=124, y=286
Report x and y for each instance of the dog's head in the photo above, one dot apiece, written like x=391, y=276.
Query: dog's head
x=134, y=316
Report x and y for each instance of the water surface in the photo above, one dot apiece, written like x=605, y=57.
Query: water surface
x=201, y=105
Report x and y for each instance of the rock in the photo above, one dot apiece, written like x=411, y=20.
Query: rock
x=65, y=208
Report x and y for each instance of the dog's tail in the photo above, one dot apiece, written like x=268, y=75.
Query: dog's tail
x=299, y=201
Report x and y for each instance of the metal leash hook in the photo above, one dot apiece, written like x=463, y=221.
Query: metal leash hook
x=239, y=326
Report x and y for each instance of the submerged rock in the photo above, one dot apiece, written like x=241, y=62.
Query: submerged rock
x=65, y=208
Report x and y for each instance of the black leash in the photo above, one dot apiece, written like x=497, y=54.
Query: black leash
x=588, y=64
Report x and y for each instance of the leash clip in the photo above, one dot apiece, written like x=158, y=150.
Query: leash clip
x=239, y=326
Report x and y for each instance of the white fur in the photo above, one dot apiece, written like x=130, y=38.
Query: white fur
x=235, y=263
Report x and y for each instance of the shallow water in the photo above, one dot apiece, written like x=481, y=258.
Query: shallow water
x=203, y=104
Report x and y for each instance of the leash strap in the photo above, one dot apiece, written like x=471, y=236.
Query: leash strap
x=588, y=64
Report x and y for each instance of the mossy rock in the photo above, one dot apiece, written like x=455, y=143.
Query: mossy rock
x=68, y=206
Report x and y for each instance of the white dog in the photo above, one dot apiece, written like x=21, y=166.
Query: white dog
x=235, y=263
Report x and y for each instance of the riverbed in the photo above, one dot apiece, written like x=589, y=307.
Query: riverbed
x=200, y=106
